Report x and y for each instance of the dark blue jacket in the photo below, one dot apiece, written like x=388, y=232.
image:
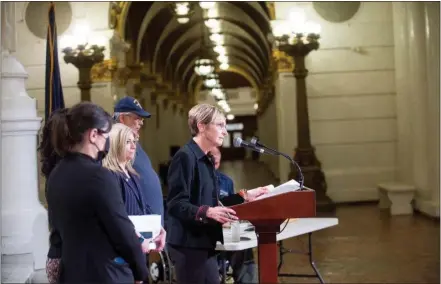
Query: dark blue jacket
x=225, y=183
x=192, y=186
x=132, y=195
x=149, y=181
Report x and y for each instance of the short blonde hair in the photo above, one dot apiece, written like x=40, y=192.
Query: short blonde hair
x=202, y=113
x=118, y=135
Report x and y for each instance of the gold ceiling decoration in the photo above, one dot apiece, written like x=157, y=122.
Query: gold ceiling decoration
x=103, y=72
x=233, y=69
x=283, y=62
x=271, y=10
x=117, y=15
x=122, y=75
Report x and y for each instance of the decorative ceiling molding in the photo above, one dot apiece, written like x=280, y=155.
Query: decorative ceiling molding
x=118, y=11
x=172, y=47
x=233, y=69
x=233, y=62
x=232, y=52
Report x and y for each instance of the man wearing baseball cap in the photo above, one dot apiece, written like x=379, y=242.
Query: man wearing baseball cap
x=129, y=111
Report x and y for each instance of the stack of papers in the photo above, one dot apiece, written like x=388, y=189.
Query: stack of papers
x=289, y=186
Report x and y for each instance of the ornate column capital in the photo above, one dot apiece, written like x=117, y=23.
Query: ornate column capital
x=103, y=71
x=121, y=76
x=282, y=62
x=148, y=80
x=117, y=45
x=129, y=72
x=135, y=71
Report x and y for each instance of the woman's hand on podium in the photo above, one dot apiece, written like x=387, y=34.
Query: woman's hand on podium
x=256, y=192
x=221, y=214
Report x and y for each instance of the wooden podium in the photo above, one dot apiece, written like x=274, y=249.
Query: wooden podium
x=267, y=215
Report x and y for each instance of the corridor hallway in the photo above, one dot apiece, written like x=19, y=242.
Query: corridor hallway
x=367, y=246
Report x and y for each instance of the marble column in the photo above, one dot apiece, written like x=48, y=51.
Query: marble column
x=133, y=81
x=149, y=131
x=418, y=97
x=432, y=41
x=1, y=80
x=416, y=31
x=165, y=127
x=118, y=49
x=286, y=117
x=24, y=220
x=403, y=94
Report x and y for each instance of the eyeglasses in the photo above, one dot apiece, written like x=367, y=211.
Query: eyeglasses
x=220, y=125
x=135, y=117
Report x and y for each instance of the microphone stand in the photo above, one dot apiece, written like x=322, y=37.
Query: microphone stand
x=255, y=142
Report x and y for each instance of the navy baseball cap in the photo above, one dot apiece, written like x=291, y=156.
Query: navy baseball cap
x=130, y=104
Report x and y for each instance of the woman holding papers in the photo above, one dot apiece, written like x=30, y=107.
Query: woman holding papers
x=195, y=212
x=85, y=206
x=119, y=161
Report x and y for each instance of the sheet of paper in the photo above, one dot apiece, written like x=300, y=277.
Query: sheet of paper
x=147, y=225
x=289, y=186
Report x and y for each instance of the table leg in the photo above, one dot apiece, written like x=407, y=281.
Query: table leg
x=282, y=251
x=311, y=261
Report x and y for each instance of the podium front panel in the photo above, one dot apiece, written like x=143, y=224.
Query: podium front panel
x=296, y=204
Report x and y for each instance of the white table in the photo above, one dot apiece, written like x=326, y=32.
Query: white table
x=294, y=228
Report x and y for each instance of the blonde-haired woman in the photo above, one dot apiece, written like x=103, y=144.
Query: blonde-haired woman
x=195, y=213
x=119, y=161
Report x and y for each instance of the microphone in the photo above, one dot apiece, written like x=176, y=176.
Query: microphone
x=238, y=142
x=255, y=143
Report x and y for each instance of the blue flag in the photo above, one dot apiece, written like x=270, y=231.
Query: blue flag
x=53, y=91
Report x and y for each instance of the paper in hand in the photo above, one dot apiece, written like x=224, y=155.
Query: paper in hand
x=149, y=226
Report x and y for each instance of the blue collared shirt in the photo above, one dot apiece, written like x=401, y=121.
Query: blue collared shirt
x=225, y=184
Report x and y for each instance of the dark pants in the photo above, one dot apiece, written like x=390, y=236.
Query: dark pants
x=243, y=265
x=194, y=266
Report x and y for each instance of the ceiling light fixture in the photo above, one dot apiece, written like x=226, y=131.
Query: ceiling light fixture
x=204, y=67
x=224, y=66
x=207, y=5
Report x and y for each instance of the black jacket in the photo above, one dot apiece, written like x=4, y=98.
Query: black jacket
x=192, y=188
x=88, y=215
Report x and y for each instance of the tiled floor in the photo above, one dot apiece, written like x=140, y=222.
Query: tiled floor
x=368, y=246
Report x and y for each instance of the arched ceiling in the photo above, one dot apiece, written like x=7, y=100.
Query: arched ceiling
x=171, y=49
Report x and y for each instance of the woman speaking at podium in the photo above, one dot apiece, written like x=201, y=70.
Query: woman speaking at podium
x=195, y=212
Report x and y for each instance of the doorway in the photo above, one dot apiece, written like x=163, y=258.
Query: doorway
x=243, y=127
